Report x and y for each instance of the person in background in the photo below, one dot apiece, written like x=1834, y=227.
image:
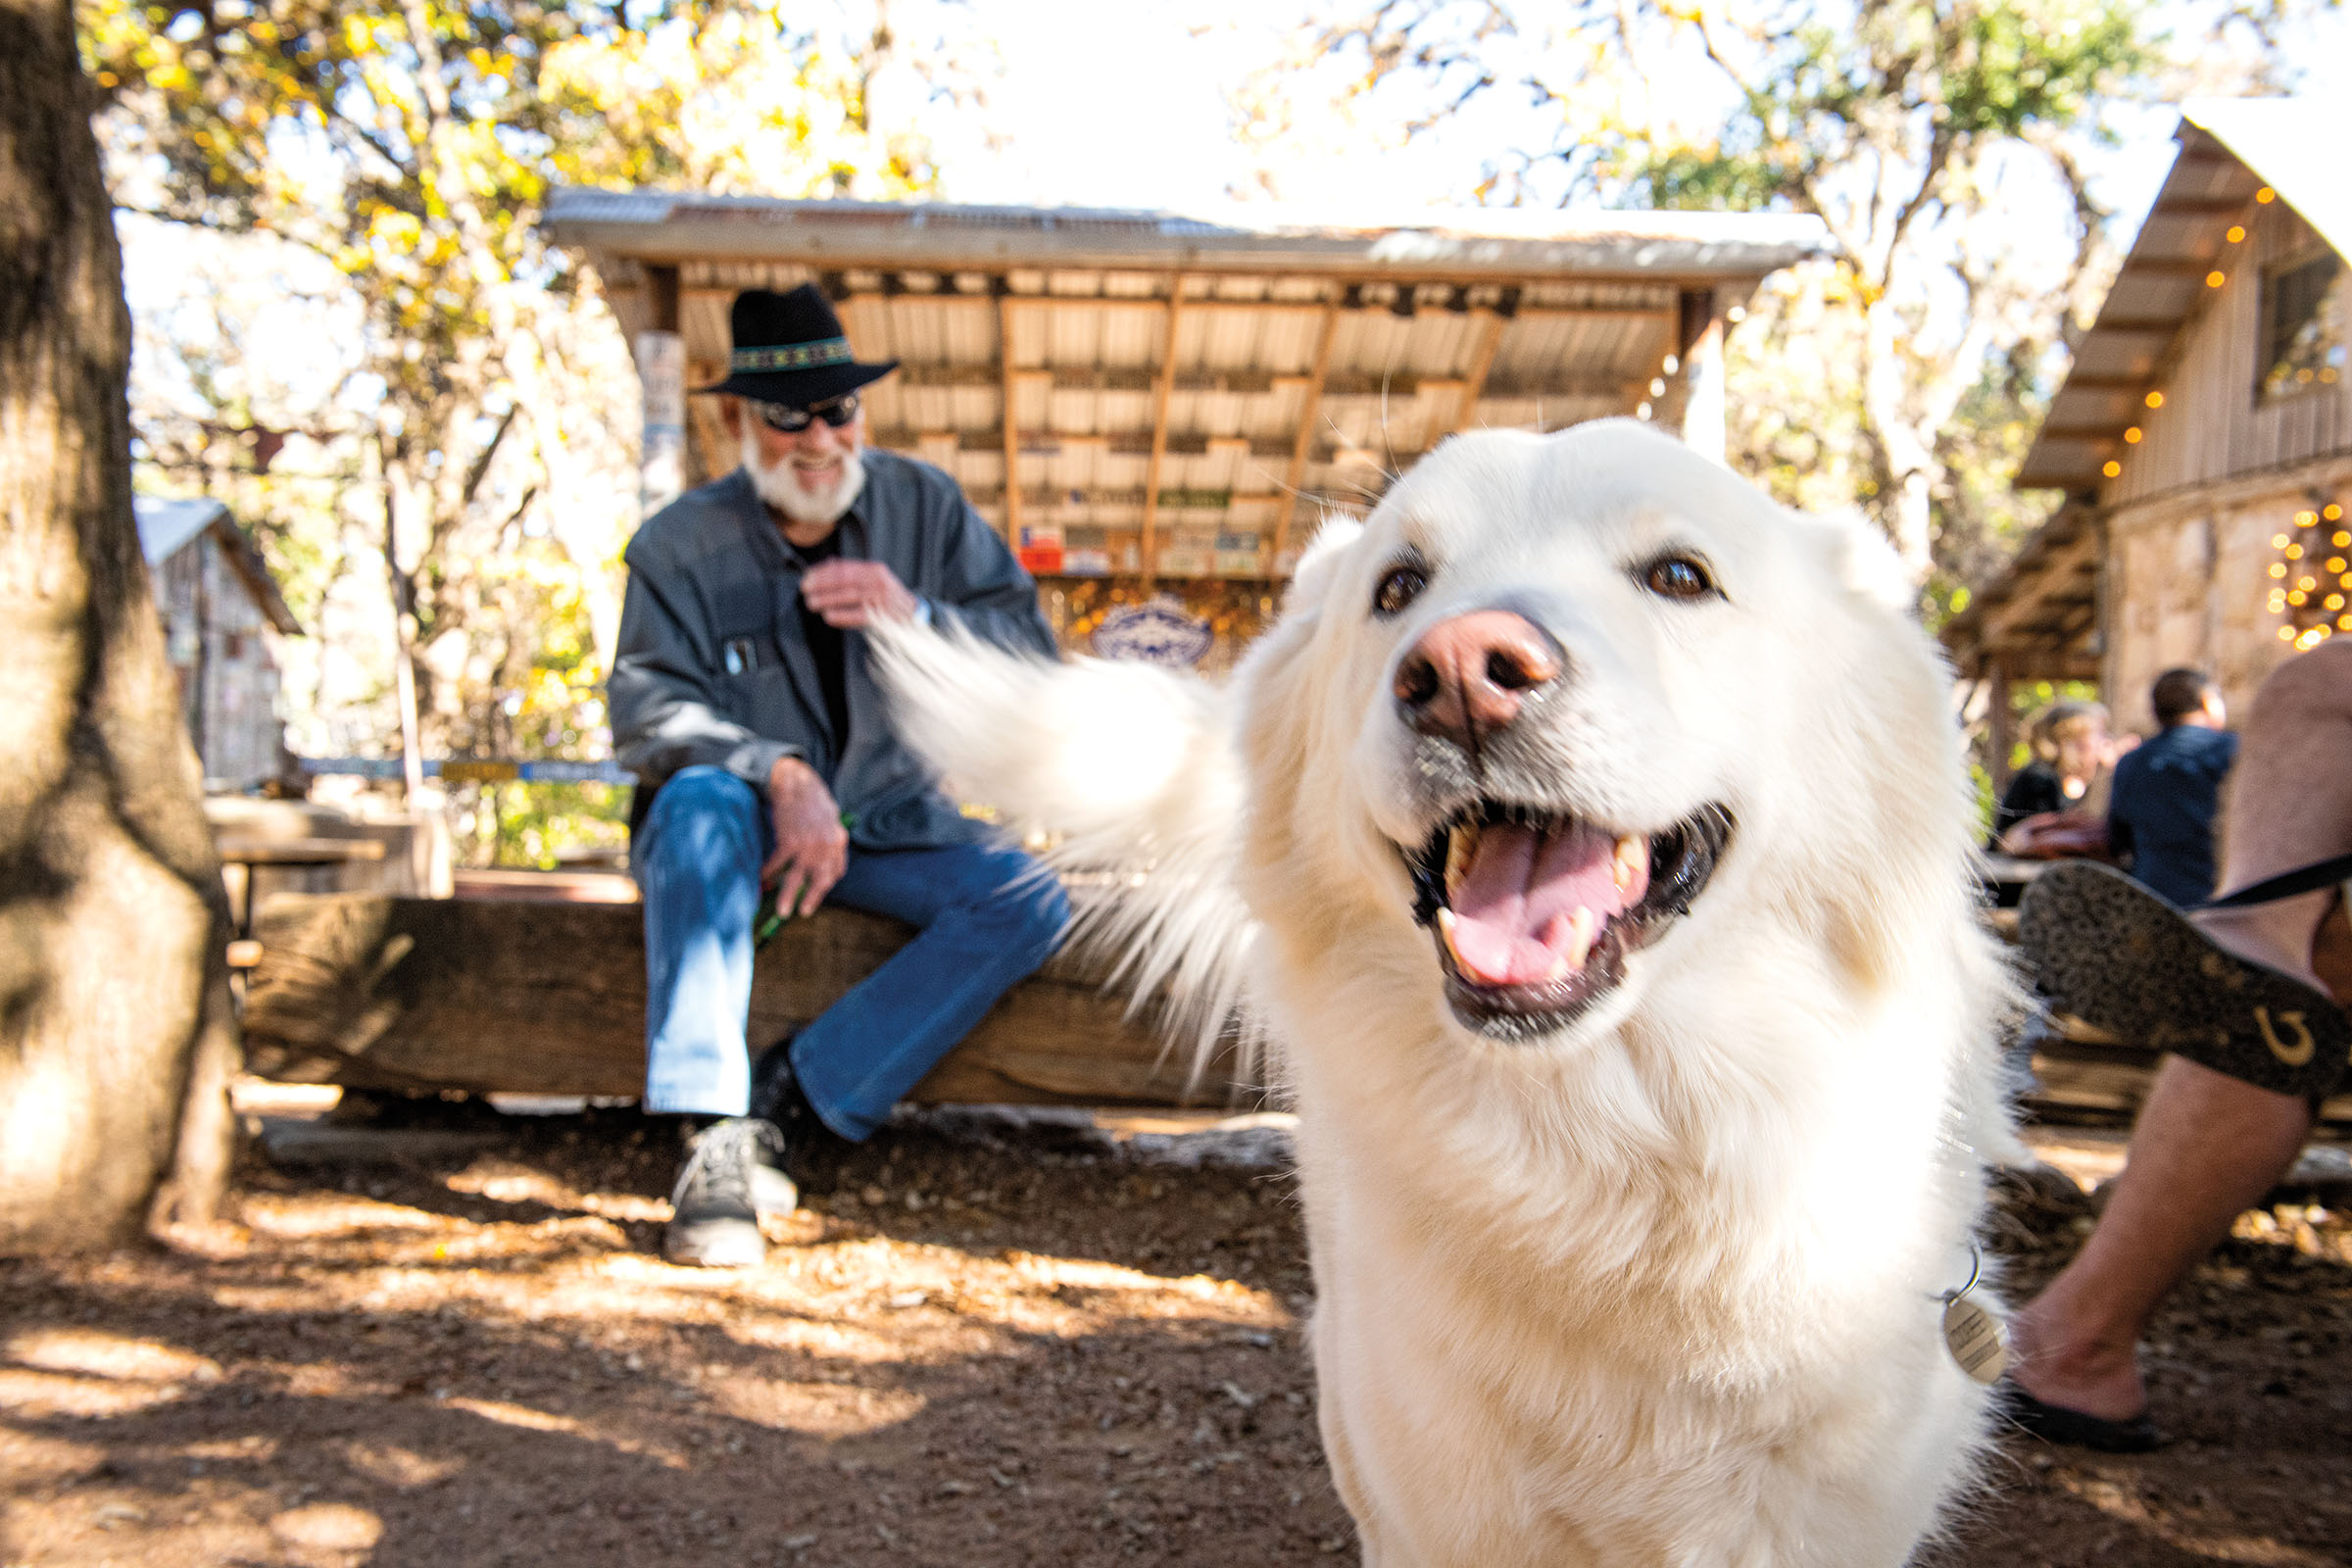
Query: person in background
x=742, y=700
x=2050, y=808
x=2161, y=809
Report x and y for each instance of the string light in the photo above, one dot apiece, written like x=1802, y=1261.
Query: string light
x=2235, y=234
x=2311, y=611
x=2132, y=437
x=2111, y=469
x=2155, y=400
x=2266, y=196
x=2216, y=278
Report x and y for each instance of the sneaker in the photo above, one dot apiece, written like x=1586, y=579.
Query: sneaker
x=731, y=1167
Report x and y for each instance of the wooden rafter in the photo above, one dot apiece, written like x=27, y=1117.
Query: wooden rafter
x=1012, y=438
x=1159, y=430
x=1474, y=385
x=1310, y=410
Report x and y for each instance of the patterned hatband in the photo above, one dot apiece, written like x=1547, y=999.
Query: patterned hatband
x=792, y=356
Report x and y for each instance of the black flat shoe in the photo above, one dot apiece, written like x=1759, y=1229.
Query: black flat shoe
x=2115, y=955
x=2055, y=1423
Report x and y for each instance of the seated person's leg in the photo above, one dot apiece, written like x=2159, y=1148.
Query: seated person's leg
x=2207, y=1143
x=2289, y=806
x=697, y=859
x=987, y=917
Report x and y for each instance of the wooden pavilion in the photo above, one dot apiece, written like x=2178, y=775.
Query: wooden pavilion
x=2202, y=436
x=1153, y=404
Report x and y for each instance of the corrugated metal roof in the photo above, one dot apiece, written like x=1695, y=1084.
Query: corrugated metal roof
x=166, y=525
x=1177, y=394
x=2291, y=143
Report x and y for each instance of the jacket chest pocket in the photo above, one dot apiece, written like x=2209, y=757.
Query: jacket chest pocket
x=742, y=614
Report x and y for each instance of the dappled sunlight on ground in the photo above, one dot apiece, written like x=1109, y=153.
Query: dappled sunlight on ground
x=962, y=1351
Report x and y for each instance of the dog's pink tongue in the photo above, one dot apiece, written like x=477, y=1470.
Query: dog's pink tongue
x=1514, y=913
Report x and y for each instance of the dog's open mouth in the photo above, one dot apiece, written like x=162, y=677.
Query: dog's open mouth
x=1534, y=912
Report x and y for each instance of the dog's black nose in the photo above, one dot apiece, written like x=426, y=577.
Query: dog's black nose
x=1468, y=676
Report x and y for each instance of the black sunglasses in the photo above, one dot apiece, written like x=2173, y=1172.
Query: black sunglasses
x=791, y=420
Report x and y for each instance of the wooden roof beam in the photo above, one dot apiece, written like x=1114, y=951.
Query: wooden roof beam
x=2030, y=590
x=2155, y=267
x=2200, y=206
x=1311, y=410
x=1160, y=428
x=2149, y=325
x=1473, y=385
x=1008, y=389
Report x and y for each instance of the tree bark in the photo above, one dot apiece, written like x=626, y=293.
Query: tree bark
x=115, y=1037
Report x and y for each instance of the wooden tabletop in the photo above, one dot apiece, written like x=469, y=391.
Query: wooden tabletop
x=298, y=851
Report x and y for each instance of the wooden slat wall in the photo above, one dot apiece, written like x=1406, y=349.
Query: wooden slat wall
x=2211, y=426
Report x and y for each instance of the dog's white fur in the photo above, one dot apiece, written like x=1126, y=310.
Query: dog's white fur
x=1662, y=1286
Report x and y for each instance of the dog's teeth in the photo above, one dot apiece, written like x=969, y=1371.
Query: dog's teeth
x=1446, y=930
x=1583, y=926
x=1460, y=846
x=1630, y=862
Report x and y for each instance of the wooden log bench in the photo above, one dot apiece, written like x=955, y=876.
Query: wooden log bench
x=538, y=987
x=373, y=991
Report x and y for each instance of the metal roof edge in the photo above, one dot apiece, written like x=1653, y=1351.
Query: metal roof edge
x=167, y=522
x=655, y=225
x=2289, y=143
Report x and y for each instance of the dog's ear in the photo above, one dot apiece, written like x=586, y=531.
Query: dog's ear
x=1861, y=558
x=1319, y=560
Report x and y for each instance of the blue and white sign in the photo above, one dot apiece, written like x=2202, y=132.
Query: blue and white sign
x=1156, y=632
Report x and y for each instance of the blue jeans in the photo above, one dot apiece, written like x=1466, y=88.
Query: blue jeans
x=985, y=918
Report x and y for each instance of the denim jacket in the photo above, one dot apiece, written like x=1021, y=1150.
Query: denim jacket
x=712, y=668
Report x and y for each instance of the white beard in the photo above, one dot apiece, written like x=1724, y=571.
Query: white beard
x=782, y=487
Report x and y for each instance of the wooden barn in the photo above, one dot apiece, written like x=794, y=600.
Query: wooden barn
x=1149, y=404
x=219, y=608
x=2203, y=435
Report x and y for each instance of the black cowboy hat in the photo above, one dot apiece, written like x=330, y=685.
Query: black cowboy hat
x=789, y=348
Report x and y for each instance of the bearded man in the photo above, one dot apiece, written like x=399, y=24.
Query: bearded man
x=765, y=757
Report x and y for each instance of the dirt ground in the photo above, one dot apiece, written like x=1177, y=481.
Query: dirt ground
x=976, y=1345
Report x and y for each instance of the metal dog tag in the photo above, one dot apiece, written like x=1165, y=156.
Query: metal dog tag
x=1973, y=1336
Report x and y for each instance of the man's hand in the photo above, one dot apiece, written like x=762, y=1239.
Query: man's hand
x=851, y=593
x=813, y=849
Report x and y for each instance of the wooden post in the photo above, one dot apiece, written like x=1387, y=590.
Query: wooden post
x=2000, y=727
x=1012, y=435
x=1695, y=391
x=1310, y=412
x=661, y=351
x=1160, y=395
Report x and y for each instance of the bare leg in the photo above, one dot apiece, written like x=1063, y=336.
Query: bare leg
x=2208, y=1145
x=2290, y=803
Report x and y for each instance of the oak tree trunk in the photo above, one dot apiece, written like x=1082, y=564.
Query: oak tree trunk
x=115, y=1036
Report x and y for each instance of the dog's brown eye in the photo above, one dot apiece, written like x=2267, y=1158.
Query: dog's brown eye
x=1678, y=577
x=1400, y=588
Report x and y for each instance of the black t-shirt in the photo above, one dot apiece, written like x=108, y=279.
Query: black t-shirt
x=2036, y=788
x=827, y=644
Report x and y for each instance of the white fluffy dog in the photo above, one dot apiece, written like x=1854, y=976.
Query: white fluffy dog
x=1589, y=836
